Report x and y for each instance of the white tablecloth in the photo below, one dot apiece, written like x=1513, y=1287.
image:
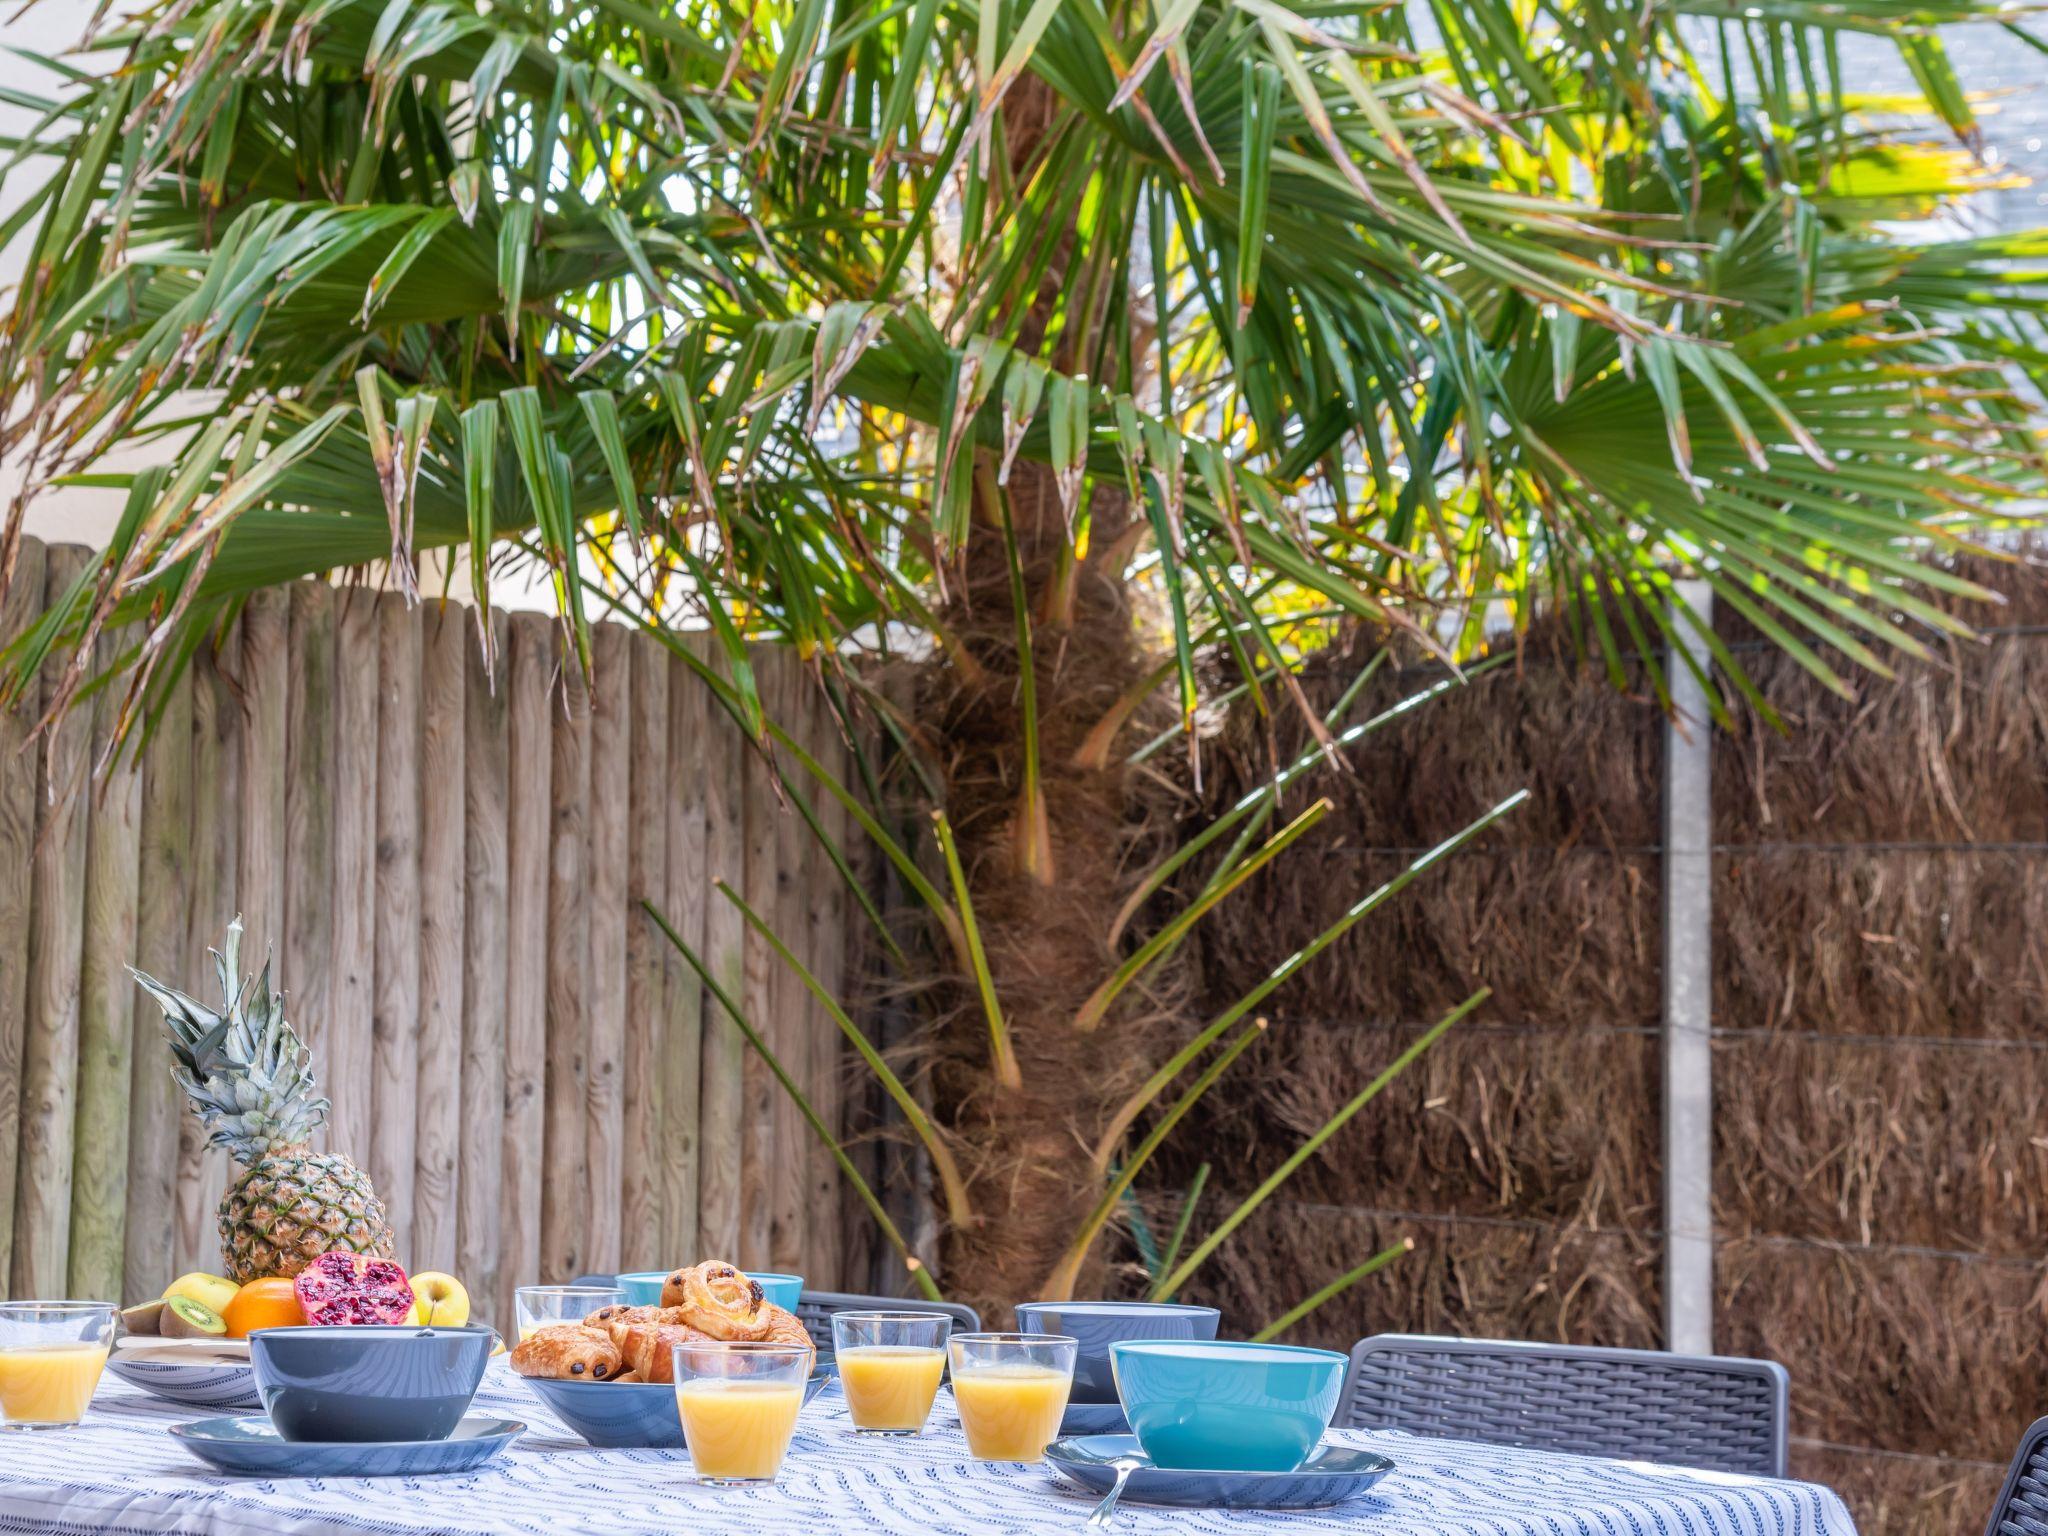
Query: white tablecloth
x=119, y=1472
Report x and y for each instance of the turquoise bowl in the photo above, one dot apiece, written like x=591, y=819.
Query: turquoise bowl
x=644, y=1288
x=1227, y=1407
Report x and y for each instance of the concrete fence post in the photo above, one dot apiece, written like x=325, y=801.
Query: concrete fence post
x=1688, y=988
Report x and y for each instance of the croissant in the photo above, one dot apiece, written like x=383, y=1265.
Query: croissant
x=647, y=1348
x=568, y=1352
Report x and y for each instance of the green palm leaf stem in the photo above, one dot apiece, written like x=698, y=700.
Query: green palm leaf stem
x=1113, y=354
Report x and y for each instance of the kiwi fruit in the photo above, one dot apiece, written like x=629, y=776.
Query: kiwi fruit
x=184, y=1318
x=143, y=1318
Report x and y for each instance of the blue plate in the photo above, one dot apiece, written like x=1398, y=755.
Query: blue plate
x=1094, y=1419
x=253, y=1447
x=625, y=1415
x=1332, y=1474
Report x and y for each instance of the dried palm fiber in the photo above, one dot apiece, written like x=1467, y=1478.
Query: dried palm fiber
x=1906, y=1496
x=1492, y=1119
x=1945, y=943
x=1891, y=1349
x=1870, y=1085
x=1466, y=1276
x=1510, y=1116
x=1916, y=1145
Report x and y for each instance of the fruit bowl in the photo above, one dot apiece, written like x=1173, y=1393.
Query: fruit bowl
x=633, y=1415
x=210, y=1379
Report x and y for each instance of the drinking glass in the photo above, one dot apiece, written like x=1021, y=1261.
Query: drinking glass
x=889, y=1367
x=51, y=1353
x=738, y=1401
x=1011, y=1389
x=543, y=1306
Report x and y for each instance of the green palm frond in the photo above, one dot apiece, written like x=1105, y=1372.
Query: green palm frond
x=1391, y=313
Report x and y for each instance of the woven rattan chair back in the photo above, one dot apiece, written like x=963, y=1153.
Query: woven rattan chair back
x=2022, y=1507
x=1713, y=1412
x=815, y=1311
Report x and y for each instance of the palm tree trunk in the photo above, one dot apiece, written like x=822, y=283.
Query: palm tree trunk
x=1046, y=901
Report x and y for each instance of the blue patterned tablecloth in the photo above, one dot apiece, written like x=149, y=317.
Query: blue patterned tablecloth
x=119, y=1472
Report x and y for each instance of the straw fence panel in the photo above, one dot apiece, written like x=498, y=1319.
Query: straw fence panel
x=446, y=862
x=1880, y=963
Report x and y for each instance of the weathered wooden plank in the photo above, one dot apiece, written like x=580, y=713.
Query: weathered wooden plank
x=163, y=904
x=722, y=1093
x=351, y=1030
x=763, y=997
x=216, y=825
x=683, y=902
x=795, y=1008
x=106, y=1011
x=653, y=783
x=23, y=602
x=306, y=958
x=487, y=753
x=823, y=911
x=565, y=1167
x=395, y=990
x=611, y=744
x=526, y=927
x=263, y=671
x=49, y=1074
x=443, y=769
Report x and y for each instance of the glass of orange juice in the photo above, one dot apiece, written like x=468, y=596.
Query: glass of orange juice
x=739, y=1402
x=543, y=1306
x=51, y=1353
x=889, y=1367
x=1011, y=1389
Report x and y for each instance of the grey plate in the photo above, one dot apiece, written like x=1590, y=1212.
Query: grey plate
x=1332, y=1474
x=251, y=1447
x=212, y=1385
x=633, y=1415
x=1094, y=1419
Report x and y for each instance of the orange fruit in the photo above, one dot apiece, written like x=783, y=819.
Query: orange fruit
x=268, y=1303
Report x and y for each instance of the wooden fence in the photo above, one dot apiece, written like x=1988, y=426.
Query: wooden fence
x=448, y=868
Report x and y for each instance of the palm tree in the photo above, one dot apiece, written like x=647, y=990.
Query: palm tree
x=1111, y=352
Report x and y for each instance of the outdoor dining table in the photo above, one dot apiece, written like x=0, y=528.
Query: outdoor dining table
x=120, y=1472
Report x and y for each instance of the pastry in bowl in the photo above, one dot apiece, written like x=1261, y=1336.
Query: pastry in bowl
x=709, y=1301
x=611, y=1377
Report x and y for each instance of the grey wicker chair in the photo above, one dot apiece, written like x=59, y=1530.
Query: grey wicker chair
x=1713, y=1412
x=2022, y=1507
x=815, y=1311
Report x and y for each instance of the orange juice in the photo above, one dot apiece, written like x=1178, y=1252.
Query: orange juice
x=48, y=1383
x=738, y=1430
x=889, y=1387
x=1011, y=1412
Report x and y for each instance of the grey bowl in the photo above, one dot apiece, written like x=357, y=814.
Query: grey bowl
x=1099, y=1324
x=368, y=1382
x=633, y=1415
x=214, y=1384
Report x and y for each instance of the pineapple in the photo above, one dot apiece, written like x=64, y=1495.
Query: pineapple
x=250, y=1082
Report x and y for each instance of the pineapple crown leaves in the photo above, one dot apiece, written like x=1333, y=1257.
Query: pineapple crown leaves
x=242, y=1065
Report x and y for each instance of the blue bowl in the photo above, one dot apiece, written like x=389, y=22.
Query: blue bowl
x=369, y=1381
x=632, y=1415
x=1099, y=1324
x=643, y=1289
x=1227, y=1407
